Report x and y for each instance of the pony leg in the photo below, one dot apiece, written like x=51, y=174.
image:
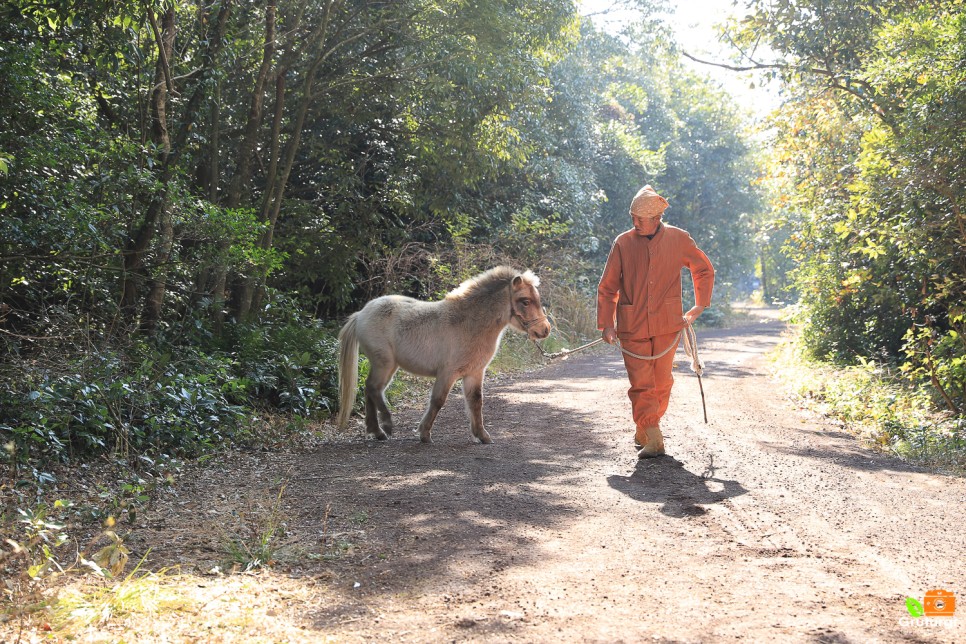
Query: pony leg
x=385, y=416
x=473, y=393
x=440, y=392
x=382, y=407
x=376, y=407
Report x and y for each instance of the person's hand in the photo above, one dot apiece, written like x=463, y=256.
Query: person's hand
x=609, y=335
x=693, y=314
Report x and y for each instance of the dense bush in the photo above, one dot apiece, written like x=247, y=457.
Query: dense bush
x=109, y=401
x=286, y=362
x=165, y=396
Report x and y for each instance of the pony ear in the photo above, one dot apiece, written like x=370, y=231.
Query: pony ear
x=526, y=277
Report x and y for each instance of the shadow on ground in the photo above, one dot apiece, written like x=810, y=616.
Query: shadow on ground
x=398, y=513
x=679, y=492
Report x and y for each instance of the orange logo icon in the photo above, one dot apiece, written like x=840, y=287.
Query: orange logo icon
x=936, y=603
x=939, y=603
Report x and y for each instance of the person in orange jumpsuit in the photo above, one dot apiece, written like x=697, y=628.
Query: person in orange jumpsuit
x=639, y=301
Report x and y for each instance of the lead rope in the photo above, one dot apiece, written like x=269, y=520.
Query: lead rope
x=697, y=365
x=690, y=349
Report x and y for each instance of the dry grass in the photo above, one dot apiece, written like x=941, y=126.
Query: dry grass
x=874, y=402
x=172, y=607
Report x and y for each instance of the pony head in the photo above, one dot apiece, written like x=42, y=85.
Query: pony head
x=526, y=309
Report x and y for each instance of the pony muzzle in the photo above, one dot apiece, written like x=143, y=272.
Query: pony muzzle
x=537, y=328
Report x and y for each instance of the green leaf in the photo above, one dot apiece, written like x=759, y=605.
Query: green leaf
x=914, y=606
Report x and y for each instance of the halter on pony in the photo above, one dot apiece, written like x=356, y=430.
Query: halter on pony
x=526, y=324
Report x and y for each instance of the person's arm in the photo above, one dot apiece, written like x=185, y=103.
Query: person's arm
x=702, y=274
x=608, y=293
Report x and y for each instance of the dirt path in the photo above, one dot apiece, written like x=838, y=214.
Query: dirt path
x=766, y=524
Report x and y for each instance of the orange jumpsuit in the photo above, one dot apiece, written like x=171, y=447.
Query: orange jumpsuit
x=640, y=289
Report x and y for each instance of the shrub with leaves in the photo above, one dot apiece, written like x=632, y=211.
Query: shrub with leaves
x=144, y=401
x=286, y=362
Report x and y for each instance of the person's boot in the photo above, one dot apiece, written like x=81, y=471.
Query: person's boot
x=640, y=438
x=652, y=443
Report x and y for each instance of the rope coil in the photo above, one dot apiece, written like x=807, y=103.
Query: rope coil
x=690, y=349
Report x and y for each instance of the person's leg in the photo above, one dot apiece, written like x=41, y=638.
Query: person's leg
x=663, y=377
x=643, y=389
x=650, y=391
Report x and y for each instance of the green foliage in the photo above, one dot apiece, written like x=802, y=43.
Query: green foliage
x=176, y=399
x=870, y=178
x=939, y=358
x=286, y=362
x=879, y=403
x=109, y=402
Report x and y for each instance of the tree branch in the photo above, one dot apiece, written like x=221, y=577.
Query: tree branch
x=834, y=81
x=162, y=55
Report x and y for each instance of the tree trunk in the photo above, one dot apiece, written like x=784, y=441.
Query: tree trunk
x=765, y=291
x=246, y=151
x=215, y=275
x=140, y=242
x=246, y=297
x=277, y=180
x=154, y=302
x=244, y=158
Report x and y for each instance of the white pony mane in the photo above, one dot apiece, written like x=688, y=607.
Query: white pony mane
x=530, y=278
x=501, y=275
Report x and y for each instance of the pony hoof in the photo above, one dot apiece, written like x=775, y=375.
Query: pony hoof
x=380, y=436
x=425, y=438
x=485, y=439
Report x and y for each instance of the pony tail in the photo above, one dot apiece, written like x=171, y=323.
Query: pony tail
x=348, y=370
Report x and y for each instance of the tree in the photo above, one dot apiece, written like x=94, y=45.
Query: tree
x=883, y=268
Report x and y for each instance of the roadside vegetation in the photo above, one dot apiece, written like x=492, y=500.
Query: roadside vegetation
x=878, y=403
x=866, y=184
